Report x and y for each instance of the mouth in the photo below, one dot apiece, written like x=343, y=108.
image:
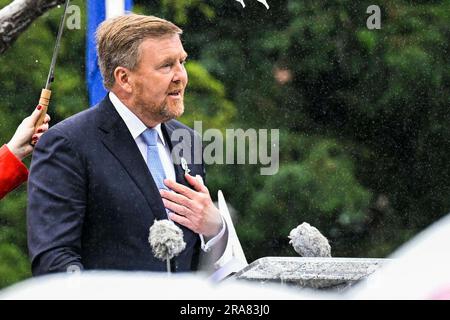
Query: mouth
x=175, y=93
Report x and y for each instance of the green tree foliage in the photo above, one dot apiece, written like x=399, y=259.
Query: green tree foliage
x=319, y=187
x=14, y=265
x=206, y=99
x=315, y=71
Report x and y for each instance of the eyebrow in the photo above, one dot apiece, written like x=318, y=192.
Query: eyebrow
x=171, y=59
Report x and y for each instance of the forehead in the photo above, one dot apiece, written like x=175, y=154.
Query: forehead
x=162, y=48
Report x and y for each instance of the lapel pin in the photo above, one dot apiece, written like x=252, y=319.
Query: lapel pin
x=184, y=165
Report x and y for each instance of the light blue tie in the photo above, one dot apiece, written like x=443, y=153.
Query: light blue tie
x=150, y=137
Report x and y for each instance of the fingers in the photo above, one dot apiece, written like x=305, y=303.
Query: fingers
x=180, y=220
x=178, y=209
x=40, y=131
x=47, y=118
x=196, y=182
x=177, y=198
x=190, y=208
x=179, y=188
x=35, y=138
x=179, y=214
x=42, y=128
x=182, y=205
x=188, y=192
x=34, y=117
x=196, y=201
x=199, y=177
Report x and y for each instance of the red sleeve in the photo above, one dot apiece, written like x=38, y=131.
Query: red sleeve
x=12, y=171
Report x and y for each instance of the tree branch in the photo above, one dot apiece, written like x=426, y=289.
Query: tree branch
x=18, y=15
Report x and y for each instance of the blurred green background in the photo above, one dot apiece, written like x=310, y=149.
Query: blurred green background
x=363, y=115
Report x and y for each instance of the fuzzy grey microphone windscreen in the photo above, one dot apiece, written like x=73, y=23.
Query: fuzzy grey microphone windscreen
x=309, y=242
x=166, y=239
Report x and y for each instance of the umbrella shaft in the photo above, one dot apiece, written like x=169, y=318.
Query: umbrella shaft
x=51, y=73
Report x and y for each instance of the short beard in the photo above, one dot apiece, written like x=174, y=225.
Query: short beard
x=161, y=113
x=167, y=114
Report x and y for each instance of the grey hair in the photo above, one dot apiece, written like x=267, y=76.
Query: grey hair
x=119, y=39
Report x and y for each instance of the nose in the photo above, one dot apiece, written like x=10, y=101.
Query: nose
x=180, y=74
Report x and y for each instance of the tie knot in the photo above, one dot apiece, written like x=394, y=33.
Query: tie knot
x=150, y=137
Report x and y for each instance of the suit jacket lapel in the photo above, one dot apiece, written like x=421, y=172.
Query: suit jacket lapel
x=117, y=138
x=167, y=129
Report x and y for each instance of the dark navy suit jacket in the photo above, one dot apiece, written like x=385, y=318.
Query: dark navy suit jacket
x=92, y=198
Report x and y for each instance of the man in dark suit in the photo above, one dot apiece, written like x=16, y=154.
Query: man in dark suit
x=99, y=179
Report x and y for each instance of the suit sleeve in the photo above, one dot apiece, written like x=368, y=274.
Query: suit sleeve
x=56, y=205
x=12, y=171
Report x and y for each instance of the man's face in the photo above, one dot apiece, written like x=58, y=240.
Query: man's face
x=159, y=80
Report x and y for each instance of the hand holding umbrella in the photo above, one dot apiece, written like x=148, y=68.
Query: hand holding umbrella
x=46, y=92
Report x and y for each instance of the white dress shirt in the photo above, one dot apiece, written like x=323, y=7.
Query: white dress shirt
x=136, y=128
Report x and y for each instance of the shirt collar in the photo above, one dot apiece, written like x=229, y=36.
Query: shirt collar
x=133, y=123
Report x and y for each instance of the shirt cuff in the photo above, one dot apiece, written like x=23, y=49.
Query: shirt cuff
x=207, y=247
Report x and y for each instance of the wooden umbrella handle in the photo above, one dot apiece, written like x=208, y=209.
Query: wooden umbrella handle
x=44, y=101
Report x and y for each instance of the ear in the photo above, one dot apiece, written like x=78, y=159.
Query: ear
x=122, y=77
